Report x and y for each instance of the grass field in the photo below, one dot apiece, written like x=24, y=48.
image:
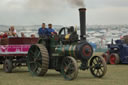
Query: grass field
x=116, y=75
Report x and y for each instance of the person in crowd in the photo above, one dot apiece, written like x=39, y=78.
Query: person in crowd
x=33, y=36
x=51, y=31
x=12, y=31
x=43, y=30
x=10, y=35
x=5, y=35
x=22, y=35
x=1, y=35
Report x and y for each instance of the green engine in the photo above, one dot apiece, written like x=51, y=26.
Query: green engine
x=70, y=45
x=62, y=51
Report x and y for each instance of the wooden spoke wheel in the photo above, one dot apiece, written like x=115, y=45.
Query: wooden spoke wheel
x=69, y=68
x=8, y=66
x=38, y=60
x=98, y=66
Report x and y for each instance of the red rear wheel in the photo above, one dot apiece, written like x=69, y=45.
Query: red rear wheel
x=114, y=58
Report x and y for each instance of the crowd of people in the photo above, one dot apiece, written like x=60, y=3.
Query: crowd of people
x=41, y=32
x=10, y=33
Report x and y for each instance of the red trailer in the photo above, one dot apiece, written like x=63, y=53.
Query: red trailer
x=13, y=52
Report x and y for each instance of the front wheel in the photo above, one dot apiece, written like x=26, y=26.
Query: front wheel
x=69, y=68
x=98, y=66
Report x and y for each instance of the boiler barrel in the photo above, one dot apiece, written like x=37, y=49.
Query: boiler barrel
x=67, y=50
x=81, y=51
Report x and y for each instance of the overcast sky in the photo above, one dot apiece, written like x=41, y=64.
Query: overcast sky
x=62, y=12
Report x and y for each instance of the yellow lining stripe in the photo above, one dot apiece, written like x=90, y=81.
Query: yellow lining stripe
x=70, y=53
x=74, y=49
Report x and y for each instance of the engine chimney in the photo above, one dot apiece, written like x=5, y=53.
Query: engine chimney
x=82, y=23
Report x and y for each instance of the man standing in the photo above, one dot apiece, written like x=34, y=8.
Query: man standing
x=43, y=31
x=51, y=31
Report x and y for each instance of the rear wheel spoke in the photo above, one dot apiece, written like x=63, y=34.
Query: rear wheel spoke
x=35, y=69
x=35, y=61
x=39, y=65
x=31, y=62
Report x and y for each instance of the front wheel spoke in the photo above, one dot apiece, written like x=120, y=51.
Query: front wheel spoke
x=93, y=63
x=97, y=72
x=102, y=70
x=96, y=60
x=102, y=65
x=92, y=67
x=71, y=75
x=65, y=64
x=69, y=65
x=72, y=68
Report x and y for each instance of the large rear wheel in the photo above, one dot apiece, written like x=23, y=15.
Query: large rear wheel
x=38, y=60
x=69, y=68
x=98, y=66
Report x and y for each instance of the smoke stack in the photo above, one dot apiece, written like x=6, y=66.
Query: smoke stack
x=82, y=23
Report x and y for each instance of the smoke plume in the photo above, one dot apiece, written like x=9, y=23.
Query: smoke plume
x=54, y=3
x=78, y=3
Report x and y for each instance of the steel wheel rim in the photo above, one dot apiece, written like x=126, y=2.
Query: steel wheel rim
x=6, y=66
x=97, y=67
x=35, y=60
x=68, y=69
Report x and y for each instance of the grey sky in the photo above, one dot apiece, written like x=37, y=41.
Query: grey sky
x=31, y=12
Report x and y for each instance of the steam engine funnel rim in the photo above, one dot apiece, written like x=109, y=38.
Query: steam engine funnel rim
x=82, y=9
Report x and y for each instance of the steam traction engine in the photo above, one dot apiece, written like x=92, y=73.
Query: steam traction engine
x=61, y=52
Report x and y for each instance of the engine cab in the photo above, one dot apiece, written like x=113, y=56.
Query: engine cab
x=68, y=35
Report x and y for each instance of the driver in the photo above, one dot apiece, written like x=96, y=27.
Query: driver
x=51, y=31
x=43, y=31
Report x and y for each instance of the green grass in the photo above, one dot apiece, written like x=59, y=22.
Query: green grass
x=116, y=75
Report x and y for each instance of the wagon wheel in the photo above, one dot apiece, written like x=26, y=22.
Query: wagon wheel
x=98, y=66
x=38, y=60
x=69, y=68
x=8, y=66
